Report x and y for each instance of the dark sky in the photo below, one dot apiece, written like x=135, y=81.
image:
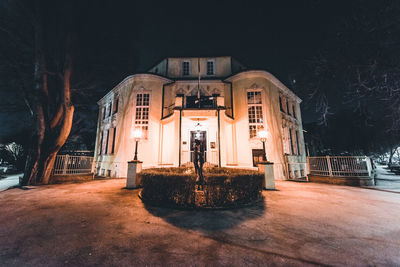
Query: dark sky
x=278, y=36
x=273, y=35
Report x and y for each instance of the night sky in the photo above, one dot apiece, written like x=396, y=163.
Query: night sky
x=129, y=37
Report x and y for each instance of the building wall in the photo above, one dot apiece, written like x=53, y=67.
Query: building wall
x=272, y=121
x=124, y=122
x=161, y=148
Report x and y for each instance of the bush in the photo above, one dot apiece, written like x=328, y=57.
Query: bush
x=231, y=187
x=168, y=186
x=224, y=187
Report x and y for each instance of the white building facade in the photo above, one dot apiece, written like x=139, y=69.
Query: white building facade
x=214, y=99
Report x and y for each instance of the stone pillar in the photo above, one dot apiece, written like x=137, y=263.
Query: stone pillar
x=134, y=167
x=268, y=169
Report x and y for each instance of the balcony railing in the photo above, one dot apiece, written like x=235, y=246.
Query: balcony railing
x=202, y=102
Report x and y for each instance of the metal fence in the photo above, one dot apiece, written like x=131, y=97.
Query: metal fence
x=68, y=165
x=340, y=166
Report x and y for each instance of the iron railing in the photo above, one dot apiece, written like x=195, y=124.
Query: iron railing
x=340, y=166
x=68, y=165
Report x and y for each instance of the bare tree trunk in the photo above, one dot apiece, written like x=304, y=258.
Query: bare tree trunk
x=51, y=130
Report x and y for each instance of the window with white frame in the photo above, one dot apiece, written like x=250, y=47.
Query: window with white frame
x=297, y=142
x=105, y=141
x=255, y=112
x=285, y=140
x=104, y=112
x=142, y=112
x=210, y=67
x=101, y=143
x=115, y=105
x=291, y=142
x=185, y=68
x=281, y=104
x=294, y=111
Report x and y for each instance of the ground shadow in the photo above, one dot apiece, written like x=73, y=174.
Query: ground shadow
x=208, y=220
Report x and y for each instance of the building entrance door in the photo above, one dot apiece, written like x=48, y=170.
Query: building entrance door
x=202, y=136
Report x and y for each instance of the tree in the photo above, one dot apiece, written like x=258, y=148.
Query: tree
x=359, y=70
x=46, y=88
x=51, y=64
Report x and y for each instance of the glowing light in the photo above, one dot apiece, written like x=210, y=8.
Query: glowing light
x=199, y=127
x=137, y=133
x=262, y=134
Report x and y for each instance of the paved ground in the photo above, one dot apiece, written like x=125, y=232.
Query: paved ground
x=99, y=223
x=386, y=180
x=10, y=181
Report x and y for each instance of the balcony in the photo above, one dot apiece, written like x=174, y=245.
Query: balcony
x=205, y=102
x=193, y=103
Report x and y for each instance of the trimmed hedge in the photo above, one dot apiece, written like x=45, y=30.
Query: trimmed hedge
x=168, y=186
x=224, y=187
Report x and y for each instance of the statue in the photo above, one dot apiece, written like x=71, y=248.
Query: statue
x=198, y=163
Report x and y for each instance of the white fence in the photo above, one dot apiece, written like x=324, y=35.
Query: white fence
x=68, y=165
x=340, y=166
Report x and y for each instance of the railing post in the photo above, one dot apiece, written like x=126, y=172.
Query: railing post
x=65, y=164
x=328, y=161
x=369, y=166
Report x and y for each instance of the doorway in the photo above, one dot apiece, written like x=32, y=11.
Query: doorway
x=202, y=136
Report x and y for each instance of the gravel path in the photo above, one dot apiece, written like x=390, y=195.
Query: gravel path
x=100, y=224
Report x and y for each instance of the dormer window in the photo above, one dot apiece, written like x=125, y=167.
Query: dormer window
x=186, y=68
x=210, y=67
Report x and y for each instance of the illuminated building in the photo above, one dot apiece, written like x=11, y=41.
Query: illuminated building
x=214, y=99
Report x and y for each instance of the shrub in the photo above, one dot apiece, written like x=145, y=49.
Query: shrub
x=230, y=187
x=223, y=187
x=168, y=186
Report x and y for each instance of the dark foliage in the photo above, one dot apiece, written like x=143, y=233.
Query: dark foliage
x=231, y=187
x=224, y=187
x=169, y=186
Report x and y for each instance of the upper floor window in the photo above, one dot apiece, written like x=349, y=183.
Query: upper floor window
x=255, y=112
x=291, y=141
x=185, y=68
x=115, y=106
x=104, y=112
x=281, y=104
x=297, y=143
x=294, y=112
x=287, y=106
x=210, y=67
x=142, y=112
